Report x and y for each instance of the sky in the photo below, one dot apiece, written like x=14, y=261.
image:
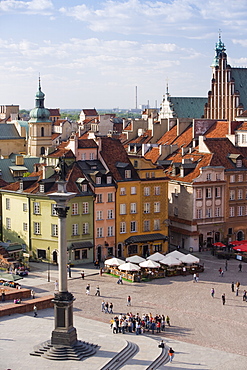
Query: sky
x=94, y=53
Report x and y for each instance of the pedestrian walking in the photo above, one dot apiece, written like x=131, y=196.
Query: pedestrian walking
x=197, y=278
x=238, y=284
x=69, y=271
x=120, y=280
x=194, y=278
x=35, y=311
x=220, y=270
x=244, y=295
x=106, y=307
x=103, y=306
x=171, y=354
x=222, y=273
x=161, y=344
x=111, y=308
x=168, y=320
x=82, y=274
x=223, y=297
x=32, y=293
x=212, y=292
x=129, y=300
x=3, y=296
x=56, y=285
x=88, y=289
x=240, y=267
x=97, y=291
x=226, y=265
x=232, y=287
x=237, y=290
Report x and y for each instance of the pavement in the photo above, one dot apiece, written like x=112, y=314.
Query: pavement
x=204, y=334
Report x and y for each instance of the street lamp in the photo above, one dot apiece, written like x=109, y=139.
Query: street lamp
x=48, y=267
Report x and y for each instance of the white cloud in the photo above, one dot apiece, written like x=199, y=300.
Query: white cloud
x=33, y=6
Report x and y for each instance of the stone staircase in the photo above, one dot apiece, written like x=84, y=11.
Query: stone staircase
x=122, y=357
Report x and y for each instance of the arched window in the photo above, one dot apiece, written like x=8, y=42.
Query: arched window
x=42, y=131
x=42, y=150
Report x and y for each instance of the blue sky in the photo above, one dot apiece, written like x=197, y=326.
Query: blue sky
x=93, y=53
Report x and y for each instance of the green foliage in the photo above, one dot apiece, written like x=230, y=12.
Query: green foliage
x=72, y=116
x=26, y=174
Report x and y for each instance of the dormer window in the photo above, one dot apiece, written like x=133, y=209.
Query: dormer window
x=108, y=179
x=98, y=180
x=208, y=176
x=239, y=163
x=128, y=174
x=21, y=185
x=41, y=188
x=84, y=187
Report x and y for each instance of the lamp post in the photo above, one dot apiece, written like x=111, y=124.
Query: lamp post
x=48, y=267
x=63, y=344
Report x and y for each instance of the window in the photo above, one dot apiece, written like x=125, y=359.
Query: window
x=21, y=185
x=99, y=198
x=208, y=212
x=208, y=176
x=199, y=213
x=232, y=178
x=108, y=179
x=110, y=214
x=230, y=231
x=83, y=156
x=231, y=212
x=75, y=229
x=77, y=254
x=157, y=190
x=132, y=249
x=208, y=192
x=91, y=156
x=146, y=190
x=85, y=228
x=54, y=210
x=133, y=226
x=176, y=192
x=85, y=207
x=198, y=193
x=36, y=228
x=122, y=191
x=146, y=225
x=240, y=178
x=74, y=209
x=156, y=207
x=36, y=208
x=42, y=132
x=8, y=223
x=122, y=209
x=99, y=232
x=127, y=174
x=217, y=192
x=232, y=194
x=146, y=207
x=24, y=207
x=41, y=253
x=24, y=226
x=240, y=210
x=217, y=212
x=132, y=207
x=147, y=175
x=157, y=247
x=110, y=231
x=240, y=194
x=84, y=187
x=218, y=177
x=99, y=215
x=41, y=188
x=7, y=203
x=110, y=197
x=133, y=190
x=244, y=138
x=54, y=230
x=98, y=180
x=157, y=224
x=135, y=163
x=122, y=227
x=239, y=163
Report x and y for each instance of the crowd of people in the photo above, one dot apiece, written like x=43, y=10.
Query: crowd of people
x=139, y=324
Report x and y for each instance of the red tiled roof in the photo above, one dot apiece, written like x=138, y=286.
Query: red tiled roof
x=153, y=154
x=90, y=112
x=86, y=143
x=54, y=112
x=218, y=129
x=169, y=136
x=142, y=139
x=242, y=127
x=60, y=151
x=54, y=136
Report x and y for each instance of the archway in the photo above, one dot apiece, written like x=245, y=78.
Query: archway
x=54, y=256
x=240, y=235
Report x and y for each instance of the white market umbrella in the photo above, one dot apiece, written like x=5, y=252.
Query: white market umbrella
x=156, y=257
x=189, y=258
x=176, y=254
x=135, y=259
x=129, y=267
x=170, y=261
x=114, y=262
x=149, y=264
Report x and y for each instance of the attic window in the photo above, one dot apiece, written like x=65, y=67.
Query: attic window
x=239, y=163
x=108, y=179
x=21, y=186
x=84, y=187
x=98, y=180
x=41, y=188
x=128, y=174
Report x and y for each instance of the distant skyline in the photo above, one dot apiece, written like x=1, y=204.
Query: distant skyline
x=94, y=53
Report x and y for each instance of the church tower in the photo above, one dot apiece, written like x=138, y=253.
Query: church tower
x=224, y=99
x=40, y=127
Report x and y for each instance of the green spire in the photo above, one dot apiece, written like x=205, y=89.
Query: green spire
x=219, y=49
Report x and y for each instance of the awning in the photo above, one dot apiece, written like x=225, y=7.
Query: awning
x=81, y=245
x=14, y=248
x=145, y=238
x=240, y=248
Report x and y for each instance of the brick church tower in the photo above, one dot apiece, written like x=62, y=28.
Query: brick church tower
x=228, y=96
